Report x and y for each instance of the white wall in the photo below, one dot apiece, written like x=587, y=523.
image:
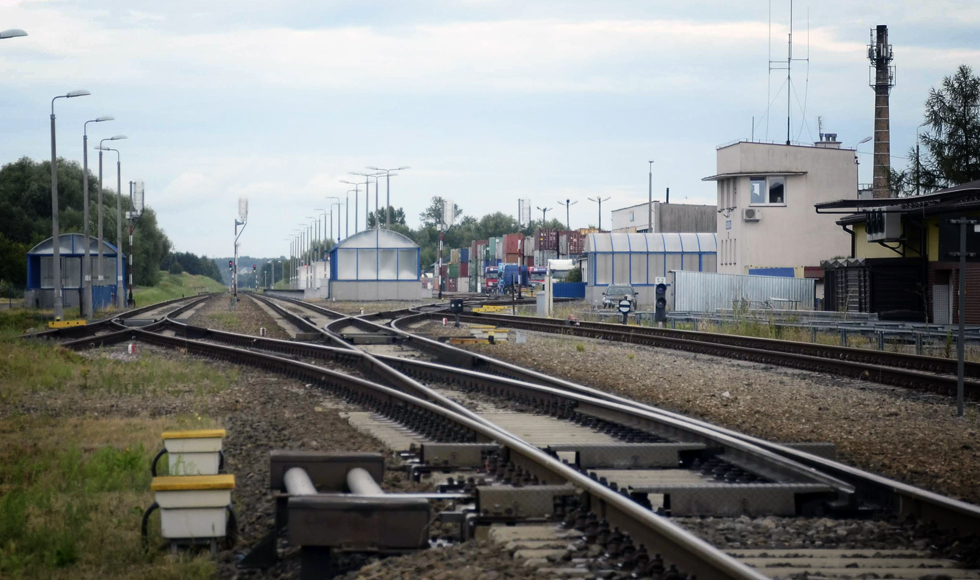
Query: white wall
x=791, y=234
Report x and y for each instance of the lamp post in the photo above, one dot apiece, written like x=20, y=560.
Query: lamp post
x=337, y=203
x=599, y=200
x=357, y=192
x=86, y=302
x=918, y=160
x=100, y=266
x=347, y=213
x=650, y=202
x=55, y=234
x=309, y=247
x=567, y=203
x=388, y=191
x=857, y=161
x=120, y=290
x=367, y=192
x=12, y=33
x=544, y=214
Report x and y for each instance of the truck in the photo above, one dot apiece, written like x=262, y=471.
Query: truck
x=491, y=280
x=536, y=275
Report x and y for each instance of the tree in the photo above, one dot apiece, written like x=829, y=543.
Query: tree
x=952, y=143
x=176, y=268
x=432, y=216
x=397, y=217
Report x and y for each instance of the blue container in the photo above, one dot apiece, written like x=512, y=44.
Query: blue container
x=464, y=255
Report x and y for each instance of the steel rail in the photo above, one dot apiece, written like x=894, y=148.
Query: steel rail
x=678, y=546
x=929, y=364
x=889, y=375
x=100, y=325
x=875, y=489
x=676, y=427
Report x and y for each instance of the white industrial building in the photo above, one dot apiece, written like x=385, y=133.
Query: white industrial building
x=667, y=217
x=766, y=193
x=639, y=260
x=376, y=265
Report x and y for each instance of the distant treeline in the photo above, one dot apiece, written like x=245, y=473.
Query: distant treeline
x=178, y=262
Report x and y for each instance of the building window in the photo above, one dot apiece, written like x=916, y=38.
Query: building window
x=768, y=191
x=631, y=216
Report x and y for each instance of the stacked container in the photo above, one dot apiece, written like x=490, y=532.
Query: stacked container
x=545, y=239
x=571, y=243
x=464, y=269
x=464, y=255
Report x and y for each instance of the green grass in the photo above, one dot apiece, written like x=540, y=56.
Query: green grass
x=174, y=286
x=30, y=367
x=72, y=494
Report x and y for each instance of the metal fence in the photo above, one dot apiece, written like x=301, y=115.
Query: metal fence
x=709, y=291
x=569, y=289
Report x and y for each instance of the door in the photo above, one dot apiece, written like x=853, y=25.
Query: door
x=942, y=300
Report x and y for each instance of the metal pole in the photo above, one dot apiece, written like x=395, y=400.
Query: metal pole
x=347, y=217
x=388, y=200
x=377, y=216
x=439, y=273
x=86, y=305
x=131, y=226
x=98, y=265
x=960, y=351
x=367, y=201
x=120, y=291
x=650, y=202
x=55, y=233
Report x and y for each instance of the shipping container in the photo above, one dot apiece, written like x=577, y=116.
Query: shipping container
x=452, y=285
x=529, y=261
x=545, y=239
x=444, y=272
x=454, y=270
x=472, y=286
x=512, y=243
x=464, y=269
x=571, y=243
x=529, y=245
x=463, y=284
x=464, y=255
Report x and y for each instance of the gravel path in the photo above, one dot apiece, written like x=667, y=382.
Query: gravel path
x=246, y=318
x=907, y=436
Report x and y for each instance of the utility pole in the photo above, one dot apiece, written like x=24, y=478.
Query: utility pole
x=544, y=213
x=960, y=354
x=599, y=200
x=567, y=203
x=650, y=202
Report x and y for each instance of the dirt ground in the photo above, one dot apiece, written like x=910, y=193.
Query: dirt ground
x=910, y=437
x=246, y=318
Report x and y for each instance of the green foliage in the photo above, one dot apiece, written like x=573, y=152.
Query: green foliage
x=192, y=264
x=574, y=275
x=176, y=268
x=25, y=217
x=173, y=286
x=397, y=217
x=951, y=143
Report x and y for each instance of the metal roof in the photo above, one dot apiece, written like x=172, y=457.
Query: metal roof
x=73, y=245
x=377, y=239
x=949, y=199
x=750, y=174
x=652, y=243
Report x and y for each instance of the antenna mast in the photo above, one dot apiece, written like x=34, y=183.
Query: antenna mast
x=788, y=65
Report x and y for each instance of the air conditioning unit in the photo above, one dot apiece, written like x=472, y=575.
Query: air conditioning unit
x=883, y=226
x=751, y=214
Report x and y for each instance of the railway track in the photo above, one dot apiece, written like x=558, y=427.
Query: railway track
x=931, y=374
x=560, y=436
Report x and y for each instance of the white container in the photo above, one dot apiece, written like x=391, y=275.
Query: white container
x=193, y=507
x=193, y=452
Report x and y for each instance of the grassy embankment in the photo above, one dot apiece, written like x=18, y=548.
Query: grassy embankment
x=174, y=286
x=74, y=474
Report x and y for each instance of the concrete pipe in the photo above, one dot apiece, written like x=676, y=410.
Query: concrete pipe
x=360, y=482
x=298, y=482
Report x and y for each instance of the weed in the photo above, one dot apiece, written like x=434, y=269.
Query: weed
x=580, y=347
x=948, y=344
x=632, y=356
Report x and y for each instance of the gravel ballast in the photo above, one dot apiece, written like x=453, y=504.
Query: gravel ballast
x=908, y=436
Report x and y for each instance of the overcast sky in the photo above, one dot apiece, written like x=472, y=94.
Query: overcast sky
x=488, y=101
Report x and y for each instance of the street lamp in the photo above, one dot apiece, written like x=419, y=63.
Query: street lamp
x=86, y=304
x=101, y=269
x=544, y=214
x=337, y=203
x=357, y=191
x=599, y=200
x=918, y=160
x=388, y=191
x=12, y=33
x=367, y=191
x=567, y=203
x=120, y=293
x=650, y=202
x=55, y=234
x=347, y=213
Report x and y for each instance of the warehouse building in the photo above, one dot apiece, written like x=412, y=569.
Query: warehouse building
x=902, y=260
x=667, y=217
x=40, y=278
x=639, y=260
x=376, y=265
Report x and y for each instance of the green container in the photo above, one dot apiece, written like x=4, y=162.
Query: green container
x=454, y=270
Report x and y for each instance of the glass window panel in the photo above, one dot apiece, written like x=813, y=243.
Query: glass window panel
x=367, y=264
x=777, y=190
x=757, y=187
x=621, y=268
x=346, y=264
x=655, y=263
x=709, y=263
x=603, y=269
x=639, y=269
x=674, y=262
x=407, y=265
x=387, y=270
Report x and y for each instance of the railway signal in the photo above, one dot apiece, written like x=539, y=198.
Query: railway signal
x=625, y=306
x=660, y=314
